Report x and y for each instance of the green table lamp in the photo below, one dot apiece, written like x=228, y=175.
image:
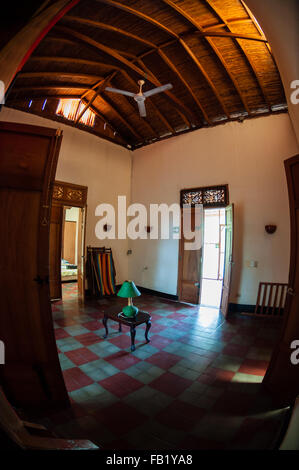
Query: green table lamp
x=129, y=290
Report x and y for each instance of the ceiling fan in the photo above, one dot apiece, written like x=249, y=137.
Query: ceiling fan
x=140, y=97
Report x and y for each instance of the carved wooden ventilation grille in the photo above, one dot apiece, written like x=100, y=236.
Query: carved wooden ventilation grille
x=208, y=196
x=71, y=194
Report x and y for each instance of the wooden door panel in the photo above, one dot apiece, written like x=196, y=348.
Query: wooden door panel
x=282, y=377
x=55, y=251
x=69, y=241
x=31, y=374
x=80, y=254
x=190, y=262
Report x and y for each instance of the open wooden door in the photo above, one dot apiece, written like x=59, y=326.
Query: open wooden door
x=190, y=261
x=282, y=376
x=31, y=375
x=81, y=254
x=56, y=226
x=228, y=258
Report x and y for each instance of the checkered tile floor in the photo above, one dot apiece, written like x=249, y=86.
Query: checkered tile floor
x=196, y=385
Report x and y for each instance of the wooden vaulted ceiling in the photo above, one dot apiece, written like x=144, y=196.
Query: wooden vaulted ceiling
x=212, y=51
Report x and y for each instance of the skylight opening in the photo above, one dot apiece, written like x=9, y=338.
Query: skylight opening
x=72, y=108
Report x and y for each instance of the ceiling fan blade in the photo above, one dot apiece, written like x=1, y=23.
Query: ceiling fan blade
x=141, y=107
x=121, y=92
x=154, y=91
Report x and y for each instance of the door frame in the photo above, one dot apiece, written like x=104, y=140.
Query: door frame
x=72, y=195
x=198, y=194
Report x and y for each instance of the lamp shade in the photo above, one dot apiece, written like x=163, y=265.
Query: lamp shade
x=128, y=289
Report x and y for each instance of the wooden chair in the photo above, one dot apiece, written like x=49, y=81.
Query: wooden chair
x=17, y=430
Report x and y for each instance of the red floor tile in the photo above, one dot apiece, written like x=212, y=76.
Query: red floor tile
x=81, y=356
x=74, y=379
x=66, y=322
x=160, y=342
x=122, y=359
x=171, y=384
x=254, y=367
x=60, y=333
x=93, y=325
x=88, y=338
x=122, y=341
x=217, y=377
x=164, y=360
x=121, y=384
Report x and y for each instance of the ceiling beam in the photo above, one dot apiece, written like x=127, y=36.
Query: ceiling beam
x=194, y=23
x=107, y=27
x=96, y=93
x=71, y=60
x=51, y=87
x=151, y=20
x=250, y=62
x=116, y=55
x=58, y=74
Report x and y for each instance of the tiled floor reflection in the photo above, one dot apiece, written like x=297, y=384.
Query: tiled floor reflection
x=196, y=385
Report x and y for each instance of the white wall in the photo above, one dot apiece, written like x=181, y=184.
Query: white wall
x=87, y=160
x=249, y=157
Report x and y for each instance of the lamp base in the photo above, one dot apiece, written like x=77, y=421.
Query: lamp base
x=130, y=311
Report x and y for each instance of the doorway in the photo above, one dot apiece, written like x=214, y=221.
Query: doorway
x=213, y=257
x=69, y=248
x=67, y=238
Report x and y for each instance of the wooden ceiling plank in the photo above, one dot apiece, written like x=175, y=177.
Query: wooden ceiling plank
x=257, y=26
x=139, y=14
x=194, y=23
x=108, y=27
x=251, y=64
x=205, y=75
x=161, y=116
x=186, y=84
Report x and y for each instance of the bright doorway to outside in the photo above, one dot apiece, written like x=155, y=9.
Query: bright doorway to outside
x=213, y=257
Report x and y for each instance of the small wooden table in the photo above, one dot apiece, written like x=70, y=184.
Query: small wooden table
x=141, y=317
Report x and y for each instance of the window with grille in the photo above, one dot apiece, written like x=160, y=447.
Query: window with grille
x=72, y=109
x=210, y=196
